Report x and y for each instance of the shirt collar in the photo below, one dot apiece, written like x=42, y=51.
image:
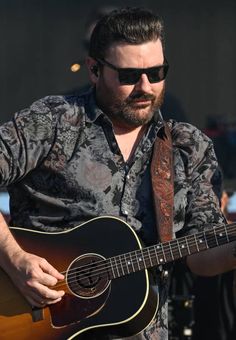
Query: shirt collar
x=91, y=109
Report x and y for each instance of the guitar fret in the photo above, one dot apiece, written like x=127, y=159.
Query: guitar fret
x=180, y=254
x=121, y=265
x=204, y=233
x=216, y=238
x=202, y=241
x=188, y=249
x=117, y=274
x=175, y=251
x=132, y=263
x=167, y=252
x=160, y=259
x=112, y=269
x=140, y=260
x=221, y=236
x=171, y=252
x=156, y=254
x=226, y=233
x=144, y=263
x=125, y=265
x=196, y=242
x=184, y=247
x=163, y=252
x=137, y=260
x=149, y=257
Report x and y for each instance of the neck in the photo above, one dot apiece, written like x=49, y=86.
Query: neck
x=128, y=138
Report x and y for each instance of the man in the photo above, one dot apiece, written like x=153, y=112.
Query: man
x=68, y=159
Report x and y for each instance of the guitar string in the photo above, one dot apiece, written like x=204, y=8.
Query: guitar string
x=103, y=266
x=148, y=249
x=103, y=270
x=121, y=263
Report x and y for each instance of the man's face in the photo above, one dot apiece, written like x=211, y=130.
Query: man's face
x=130, y=105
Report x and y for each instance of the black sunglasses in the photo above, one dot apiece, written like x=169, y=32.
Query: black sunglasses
x=130, y=76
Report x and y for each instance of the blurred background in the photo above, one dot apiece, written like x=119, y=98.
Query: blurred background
x=42, y=39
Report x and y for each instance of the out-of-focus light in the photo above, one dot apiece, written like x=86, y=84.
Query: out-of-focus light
x=75, y=68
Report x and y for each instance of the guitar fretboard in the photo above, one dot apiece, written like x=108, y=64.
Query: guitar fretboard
x=162, y=253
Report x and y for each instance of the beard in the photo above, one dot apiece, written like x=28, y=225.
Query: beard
x=129, y=111
x=136, y=115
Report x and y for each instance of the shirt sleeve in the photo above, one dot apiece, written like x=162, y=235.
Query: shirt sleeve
x=202, y=170
x=25, y=141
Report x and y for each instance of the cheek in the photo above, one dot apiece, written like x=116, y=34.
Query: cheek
x=123, y=92
x=111, y=88
x=158, y=88
x=117, y=93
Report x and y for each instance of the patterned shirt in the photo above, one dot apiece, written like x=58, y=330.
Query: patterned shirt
x=62, y=166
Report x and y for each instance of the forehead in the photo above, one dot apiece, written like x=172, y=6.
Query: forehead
x=142, y=55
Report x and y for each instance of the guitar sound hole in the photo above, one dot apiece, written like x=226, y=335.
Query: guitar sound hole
x=87, y=276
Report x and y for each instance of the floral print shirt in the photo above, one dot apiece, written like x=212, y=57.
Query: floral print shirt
x=61, y=164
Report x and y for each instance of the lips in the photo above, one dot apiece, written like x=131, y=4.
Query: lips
x=141, y=102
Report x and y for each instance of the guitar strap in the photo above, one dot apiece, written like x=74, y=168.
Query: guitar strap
x=162, y=176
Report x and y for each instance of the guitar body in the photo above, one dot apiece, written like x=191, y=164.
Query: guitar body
x=123, y=306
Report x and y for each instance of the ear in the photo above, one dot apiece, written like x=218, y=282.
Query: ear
x=93, y=69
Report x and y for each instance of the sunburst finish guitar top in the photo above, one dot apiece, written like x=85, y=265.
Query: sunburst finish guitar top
x=98, y=294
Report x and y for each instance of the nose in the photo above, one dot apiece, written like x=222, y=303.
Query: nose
x=143, y=84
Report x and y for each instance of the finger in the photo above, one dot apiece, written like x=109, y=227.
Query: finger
x=46, y=297
x=47, y=280
x=48, y=268
x=40, y=291
x=45, y=302
x=51, y=302
x=42, y=303
x=45, y=292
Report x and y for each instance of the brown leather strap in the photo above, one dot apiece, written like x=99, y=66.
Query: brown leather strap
x=162, y=176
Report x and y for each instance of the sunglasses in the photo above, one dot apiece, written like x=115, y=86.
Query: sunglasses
x=130, y=76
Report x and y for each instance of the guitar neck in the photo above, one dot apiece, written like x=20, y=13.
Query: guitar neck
x=173, y=250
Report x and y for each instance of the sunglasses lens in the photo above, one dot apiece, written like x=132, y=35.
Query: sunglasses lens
x=157, y=74
x=128, y=76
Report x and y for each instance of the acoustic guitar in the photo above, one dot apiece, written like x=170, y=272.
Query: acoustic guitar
x=107, y=283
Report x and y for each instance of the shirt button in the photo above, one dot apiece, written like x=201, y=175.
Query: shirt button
x=126, y=212
x=128, y=176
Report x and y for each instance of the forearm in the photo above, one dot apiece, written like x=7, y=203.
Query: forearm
x=33, y=275
x=8, y=245
x=213, y=261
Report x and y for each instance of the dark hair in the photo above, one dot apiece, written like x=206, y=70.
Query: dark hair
x=128, y=25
